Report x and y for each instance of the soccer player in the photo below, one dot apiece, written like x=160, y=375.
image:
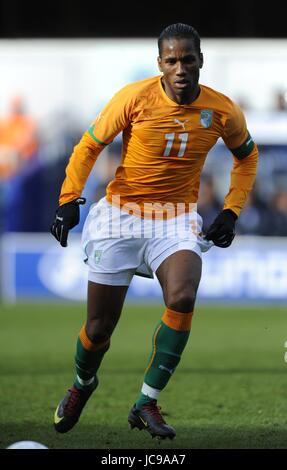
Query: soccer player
x=147, y=222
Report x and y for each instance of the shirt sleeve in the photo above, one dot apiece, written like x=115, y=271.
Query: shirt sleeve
x=79, y=167
x=235, y=129
x=245, y=159
x=115, y=117
x=242, y=180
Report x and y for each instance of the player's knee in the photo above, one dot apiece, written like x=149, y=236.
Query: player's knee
x=182, y=301
x=97, y=335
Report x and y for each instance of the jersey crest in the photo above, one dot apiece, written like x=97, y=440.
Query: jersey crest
x=206, y=118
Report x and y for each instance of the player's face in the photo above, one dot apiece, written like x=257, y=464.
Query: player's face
x=180, y=62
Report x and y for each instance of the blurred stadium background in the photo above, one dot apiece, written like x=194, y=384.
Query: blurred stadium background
x=50, y=90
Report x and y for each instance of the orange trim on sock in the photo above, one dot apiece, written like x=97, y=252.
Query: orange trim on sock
x=154, y=348
x=177, y=320
x=87, y=343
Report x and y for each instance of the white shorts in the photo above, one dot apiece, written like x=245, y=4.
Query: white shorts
x=118, y=245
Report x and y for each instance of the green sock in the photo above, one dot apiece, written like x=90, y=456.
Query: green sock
x=168, y=345
x=87, y=364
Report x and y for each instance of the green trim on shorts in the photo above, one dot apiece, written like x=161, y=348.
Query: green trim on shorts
x=149, y=276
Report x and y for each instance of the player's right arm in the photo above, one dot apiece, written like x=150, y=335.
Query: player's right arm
x=111, y=121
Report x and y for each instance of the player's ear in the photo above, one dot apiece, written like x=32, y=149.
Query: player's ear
x=159, y=63
x=200, y=60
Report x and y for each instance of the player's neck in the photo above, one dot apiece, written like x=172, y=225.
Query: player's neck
x=182, y=97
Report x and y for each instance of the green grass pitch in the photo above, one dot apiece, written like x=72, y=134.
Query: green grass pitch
x=229, y=391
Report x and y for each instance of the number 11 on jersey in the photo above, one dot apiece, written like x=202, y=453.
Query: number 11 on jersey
x=170, y=139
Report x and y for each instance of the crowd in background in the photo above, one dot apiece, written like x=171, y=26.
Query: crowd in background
x=258, y=217
x=33, y=158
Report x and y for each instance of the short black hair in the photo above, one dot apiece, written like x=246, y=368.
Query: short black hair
x=179, y=31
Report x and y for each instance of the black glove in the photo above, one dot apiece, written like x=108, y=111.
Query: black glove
x=67, y=216
x=222, y=230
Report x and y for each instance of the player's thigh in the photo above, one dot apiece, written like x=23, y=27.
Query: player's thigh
x=179, y=276
x=104, y=305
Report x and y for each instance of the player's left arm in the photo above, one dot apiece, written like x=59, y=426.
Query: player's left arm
x=245, y=158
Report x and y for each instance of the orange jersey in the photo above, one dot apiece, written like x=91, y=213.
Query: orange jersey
x=164, y=146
